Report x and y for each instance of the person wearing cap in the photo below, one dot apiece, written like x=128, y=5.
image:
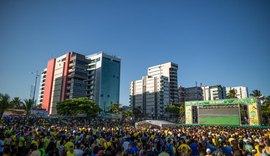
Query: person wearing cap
x=208, y=152
x=211, y=146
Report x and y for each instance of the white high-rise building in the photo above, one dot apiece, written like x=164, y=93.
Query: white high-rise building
x=42, y=86
x=213, y=92
x=168, y=70
x=241, y=92
x=150, y=95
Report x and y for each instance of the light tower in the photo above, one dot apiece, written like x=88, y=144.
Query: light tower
x=34, y=91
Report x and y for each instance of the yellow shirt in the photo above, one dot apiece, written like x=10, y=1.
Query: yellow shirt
x=258, y=152
x=21, y=141
x=6, y=141
x=67, y=145
x=184, y=146
x=13, y=137
x=46, y=142
x=71, y=154
x=34, y=142
x=230, y=140
x=107, y=144
x=267, y=149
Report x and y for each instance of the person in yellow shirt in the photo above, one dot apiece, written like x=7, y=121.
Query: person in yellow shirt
x=21, y=144
x=184, y=148
x=71, y=151
x=267, y=148
x=35, y=141
x=14, y=140
x=69, y=144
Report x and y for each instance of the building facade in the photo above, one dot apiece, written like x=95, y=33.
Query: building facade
x=241, y=92
x=150, y=95
x=209, y=93
x=213, y=92
x=72, y=76
x=41, y=87
x=168, y=70
x=103, y=83
x=193, y=93
x=181, y=93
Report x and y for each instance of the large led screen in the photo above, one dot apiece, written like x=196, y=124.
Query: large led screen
x=219, y=114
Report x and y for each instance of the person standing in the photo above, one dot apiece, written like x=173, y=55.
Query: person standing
x=164, y=153
x=2, y=145
x=71, y=151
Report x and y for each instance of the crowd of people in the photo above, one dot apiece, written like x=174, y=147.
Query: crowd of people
x=28, y=136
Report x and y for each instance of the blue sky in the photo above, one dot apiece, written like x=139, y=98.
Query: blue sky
x=223, y=42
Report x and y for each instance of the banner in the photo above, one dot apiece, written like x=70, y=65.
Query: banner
x=253, y=115
x=223, y=101
x=188, y=115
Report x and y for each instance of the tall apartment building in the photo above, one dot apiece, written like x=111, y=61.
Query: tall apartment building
x=181, y=93
x=74, y=75
x=150, y=94
x=168, y=70
x=241, y=92
x=193, y=94
x=156, y=90
x=213, y=92
x=41, y=86
x=103, y=83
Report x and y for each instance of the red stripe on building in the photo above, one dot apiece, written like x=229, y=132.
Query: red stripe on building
x=65, y=75
x=48, y=85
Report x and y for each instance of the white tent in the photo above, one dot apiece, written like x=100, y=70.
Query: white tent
x=154, y=123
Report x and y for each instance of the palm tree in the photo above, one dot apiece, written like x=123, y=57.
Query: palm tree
x=266, y=110
x=267, y=100
x=256, y=94
x=231, y=94
x=4, y=103
x=16, y=102
x=28, y=105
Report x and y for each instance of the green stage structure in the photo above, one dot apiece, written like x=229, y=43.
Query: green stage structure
x=224, y=112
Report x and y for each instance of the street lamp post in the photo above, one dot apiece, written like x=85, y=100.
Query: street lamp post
x=34, y=92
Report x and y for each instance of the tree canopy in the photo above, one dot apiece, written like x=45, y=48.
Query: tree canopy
x=28, y=105
x=115, y=108
x=137, y=112
x=266, y=107
x=16, y=102
x=173, y=108
x=4, y=103
x=231, y=94
x=77, y=106
x=256, y=93
x=127, y=113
